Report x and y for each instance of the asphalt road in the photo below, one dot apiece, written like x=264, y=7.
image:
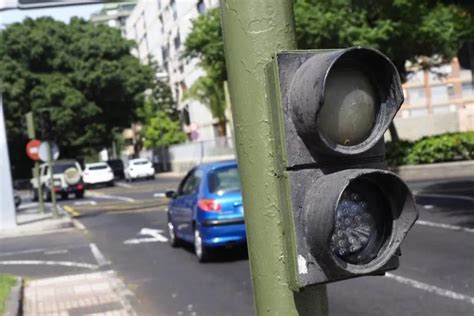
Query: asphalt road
x=436, y=276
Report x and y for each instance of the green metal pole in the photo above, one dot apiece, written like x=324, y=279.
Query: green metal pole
x=253, y=32
x=30, y=123
x=53, y=194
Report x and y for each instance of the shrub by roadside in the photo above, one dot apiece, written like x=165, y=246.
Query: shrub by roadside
x=431, y=149
x=6, y=283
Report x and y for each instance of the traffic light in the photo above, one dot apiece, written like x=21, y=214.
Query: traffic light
x=46, y=128
x=344, y=214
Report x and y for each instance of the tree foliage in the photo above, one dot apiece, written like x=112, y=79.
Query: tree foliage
x=160, y=130
x=205, y=42
x=83, y=72
x=404, y=30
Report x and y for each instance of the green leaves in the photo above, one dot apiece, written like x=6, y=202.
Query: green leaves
x=81, y=71
x=160, y=130
x=432, y=149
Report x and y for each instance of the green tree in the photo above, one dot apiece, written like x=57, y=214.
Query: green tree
x=160, y=130
x=424, y=32
x=81, y=71
x=205, y=42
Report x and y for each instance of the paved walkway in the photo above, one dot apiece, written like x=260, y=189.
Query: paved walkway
x=98, y=293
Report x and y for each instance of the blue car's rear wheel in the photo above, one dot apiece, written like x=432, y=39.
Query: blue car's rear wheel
x=202, y=252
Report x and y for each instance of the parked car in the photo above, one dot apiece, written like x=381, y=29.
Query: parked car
x=98, y=173
x=207, y=209
x=139, y=168
x=67, y=175
x=117, y=168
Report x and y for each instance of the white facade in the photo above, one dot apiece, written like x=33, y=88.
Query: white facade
x=114, y=15
x=160, y=28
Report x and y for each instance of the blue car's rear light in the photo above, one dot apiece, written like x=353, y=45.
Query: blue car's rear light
x=209, y=205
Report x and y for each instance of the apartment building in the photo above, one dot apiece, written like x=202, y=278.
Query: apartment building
x=114, y=15
x=160, y=28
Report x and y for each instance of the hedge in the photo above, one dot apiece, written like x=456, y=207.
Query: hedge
x=432, y=149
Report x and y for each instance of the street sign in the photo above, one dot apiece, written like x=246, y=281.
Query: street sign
x=32, y=149
x=43, y=151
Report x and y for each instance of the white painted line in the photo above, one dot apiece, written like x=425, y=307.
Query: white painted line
x=110, y=197
x=154, y=233
x=56, y=252
x=50, y=263
x=445, y=226
x=21, y=252
x=27, y=205
x=123, y=185
x=431, y=288
x=428, y=207
x=159, y=195
x=446, y=196
x=85, y=202
x=78, y=224
x=99, y=257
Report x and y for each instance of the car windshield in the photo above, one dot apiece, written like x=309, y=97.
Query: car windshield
x=224, y=180
x=141, y=162
x=97, y=167
x=57, y=169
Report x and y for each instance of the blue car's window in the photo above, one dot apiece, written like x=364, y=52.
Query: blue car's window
x=224, y=180
x=191, y=183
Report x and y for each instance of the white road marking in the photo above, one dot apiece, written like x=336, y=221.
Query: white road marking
x=99, y=257
x=21, y=252
x=85, y=202
x=445, y=226
x=159, y=195
x=123, y=185
x=431, y=288
x=56, y=252
x=110, y=197
x=27, y=205
x=428, y=207
x=50, y=263
x=154, y=233
x=302, y=268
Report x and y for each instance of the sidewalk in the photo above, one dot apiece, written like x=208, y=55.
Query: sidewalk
x=30, y=221
x=98, y=293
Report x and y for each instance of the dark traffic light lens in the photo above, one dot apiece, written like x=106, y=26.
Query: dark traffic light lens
x=348, y=113
x=360, y=224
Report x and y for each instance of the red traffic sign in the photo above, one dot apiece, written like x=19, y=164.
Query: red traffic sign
x=32, y=149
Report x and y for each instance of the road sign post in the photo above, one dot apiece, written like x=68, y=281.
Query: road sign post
x=30, y=125
x=253, y=32
x=52, y=191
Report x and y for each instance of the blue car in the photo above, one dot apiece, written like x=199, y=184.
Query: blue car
x=207, y=209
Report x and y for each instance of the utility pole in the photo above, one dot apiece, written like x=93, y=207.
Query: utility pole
x=253, y=32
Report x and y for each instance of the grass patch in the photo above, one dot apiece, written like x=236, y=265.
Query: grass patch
x=6, y=283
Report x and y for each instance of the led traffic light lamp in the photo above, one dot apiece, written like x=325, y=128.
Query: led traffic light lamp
x=346, y=214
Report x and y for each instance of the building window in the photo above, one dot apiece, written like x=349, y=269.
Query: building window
x=173, y=8
x=177, y=41
x=201, y=7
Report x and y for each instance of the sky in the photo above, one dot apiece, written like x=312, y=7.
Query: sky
x=59, y=13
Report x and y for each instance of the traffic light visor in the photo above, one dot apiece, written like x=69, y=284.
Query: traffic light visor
x=342, y=101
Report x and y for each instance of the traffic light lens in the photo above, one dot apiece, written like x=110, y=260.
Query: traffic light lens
x=348, y=113
x=359, y=227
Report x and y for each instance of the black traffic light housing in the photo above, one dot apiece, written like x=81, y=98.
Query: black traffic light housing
x=345, y=214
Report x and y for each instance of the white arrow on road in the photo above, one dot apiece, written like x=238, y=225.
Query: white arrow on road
x=155, y=234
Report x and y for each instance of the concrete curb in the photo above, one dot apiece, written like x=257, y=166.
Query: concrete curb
x=13, y=306
x=436, y=171
x=49, y=224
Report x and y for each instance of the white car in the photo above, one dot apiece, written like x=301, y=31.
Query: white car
x=139, y=168
x=98, y=173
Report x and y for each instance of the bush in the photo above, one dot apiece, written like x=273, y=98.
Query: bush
x=432, y=149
